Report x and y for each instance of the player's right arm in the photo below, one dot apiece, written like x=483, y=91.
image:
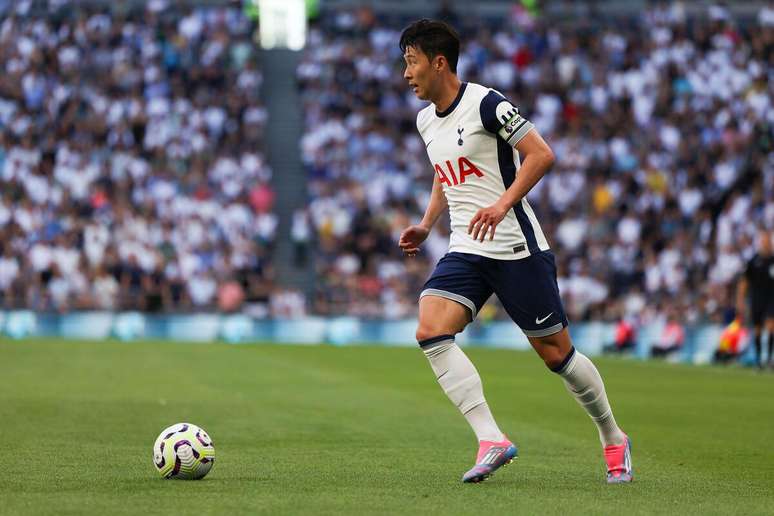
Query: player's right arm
x=413, y=236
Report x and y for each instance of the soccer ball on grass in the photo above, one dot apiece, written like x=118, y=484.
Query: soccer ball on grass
x=183, y=451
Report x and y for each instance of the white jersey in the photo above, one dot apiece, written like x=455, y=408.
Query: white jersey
x=471, y=147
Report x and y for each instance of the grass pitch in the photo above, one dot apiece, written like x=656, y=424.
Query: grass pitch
x=366, y=430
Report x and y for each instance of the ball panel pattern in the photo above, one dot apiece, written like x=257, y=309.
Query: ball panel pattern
x=183, y=451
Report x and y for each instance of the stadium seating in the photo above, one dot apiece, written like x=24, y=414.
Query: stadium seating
x=131, y=159
x=640, y=221
x=134, y=175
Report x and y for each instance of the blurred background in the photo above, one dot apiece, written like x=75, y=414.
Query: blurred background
x=242, y=170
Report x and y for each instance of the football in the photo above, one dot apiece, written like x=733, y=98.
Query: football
x=183, y=451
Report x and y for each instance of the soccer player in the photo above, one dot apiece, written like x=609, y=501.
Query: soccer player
x=758, y=281
x=486, y=157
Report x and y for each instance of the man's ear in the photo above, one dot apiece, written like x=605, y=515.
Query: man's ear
x=439, y=62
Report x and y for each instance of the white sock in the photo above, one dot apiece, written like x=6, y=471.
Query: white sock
x=583, y=381
x=460, y=381
x=483, y=424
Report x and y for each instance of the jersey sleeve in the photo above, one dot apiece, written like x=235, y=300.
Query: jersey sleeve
x=421, y=123
x=501, y=117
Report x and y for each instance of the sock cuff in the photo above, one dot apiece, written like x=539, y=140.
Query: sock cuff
x=425, y=344
x=566, y=362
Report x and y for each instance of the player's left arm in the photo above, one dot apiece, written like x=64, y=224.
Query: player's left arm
x=537, y=159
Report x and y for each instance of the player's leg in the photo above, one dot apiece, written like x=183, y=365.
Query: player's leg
x=584, y=383
x=530, y=294
x=582, y=380
x=440, y=319
x=450, y=299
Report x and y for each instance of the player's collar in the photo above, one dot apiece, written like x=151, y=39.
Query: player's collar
x=448, y=110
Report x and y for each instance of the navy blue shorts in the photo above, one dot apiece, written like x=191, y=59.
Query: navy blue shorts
x=526, y=288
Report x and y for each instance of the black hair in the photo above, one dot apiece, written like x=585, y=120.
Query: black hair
x=434, y=38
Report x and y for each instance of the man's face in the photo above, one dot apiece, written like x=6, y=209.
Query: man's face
x=418, y=72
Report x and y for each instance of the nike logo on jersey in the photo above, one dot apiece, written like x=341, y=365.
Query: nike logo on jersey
x=428, y=144
x=541, y=321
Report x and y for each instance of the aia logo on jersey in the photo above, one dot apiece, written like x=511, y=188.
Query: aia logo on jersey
x=464, y=168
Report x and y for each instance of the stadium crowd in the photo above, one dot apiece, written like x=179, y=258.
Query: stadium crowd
x=662, y=129
x=131, y=158
x=133, y=174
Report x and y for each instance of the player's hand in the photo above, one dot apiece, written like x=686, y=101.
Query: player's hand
x=486, y=220
x=411, y=237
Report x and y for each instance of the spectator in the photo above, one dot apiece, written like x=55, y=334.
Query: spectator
x=671, y=340
x=300, y=233
x=230, y=296
x=731, y=343
x=288, y=304
x=625, y=338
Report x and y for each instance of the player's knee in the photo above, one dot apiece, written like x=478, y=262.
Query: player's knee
x=430, y=331
x=552, y=363
x=552, y=357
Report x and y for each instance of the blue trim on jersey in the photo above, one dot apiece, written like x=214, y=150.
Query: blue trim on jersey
x=488, y=111
x=508, y=173
x=448, y=110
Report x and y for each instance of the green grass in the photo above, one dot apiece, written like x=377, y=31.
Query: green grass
x=366, y=430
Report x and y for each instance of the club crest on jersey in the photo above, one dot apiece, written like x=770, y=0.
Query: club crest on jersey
x=459, y=133
x=464, y=168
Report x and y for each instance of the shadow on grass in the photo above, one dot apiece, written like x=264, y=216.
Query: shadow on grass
x=209, y=480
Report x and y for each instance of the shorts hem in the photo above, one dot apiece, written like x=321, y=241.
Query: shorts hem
x=545, y=332
x=454, y=297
